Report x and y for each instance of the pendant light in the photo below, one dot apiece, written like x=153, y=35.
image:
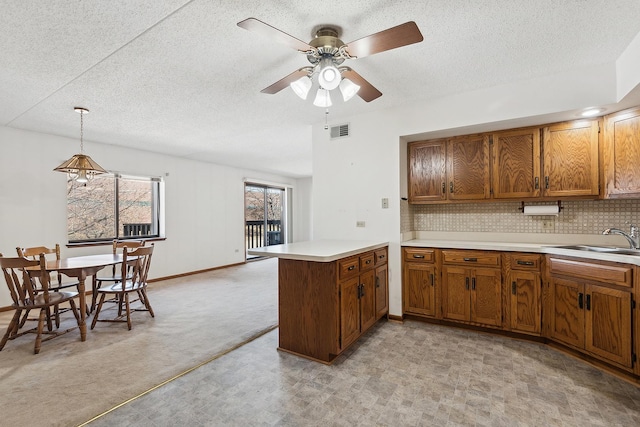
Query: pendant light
x=81, y=168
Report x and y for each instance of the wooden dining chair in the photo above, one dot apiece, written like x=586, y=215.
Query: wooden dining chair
x=28, y=294
x=116, y=269
x=57, y=281
x=139, y=261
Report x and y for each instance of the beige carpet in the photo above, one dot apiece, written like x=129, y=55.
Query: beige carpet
x=197, y=317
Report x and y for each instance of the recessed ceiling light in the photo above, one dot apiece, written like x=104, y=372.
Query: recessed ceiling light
x=591, y=112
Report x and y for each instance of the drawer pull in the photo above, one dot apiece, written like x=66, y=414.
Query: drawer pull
x=418, y=256
x=368, y=261
x=470, y=259
x=381, y=257
x=519, y=262
x=513, y=287
x=351, y=267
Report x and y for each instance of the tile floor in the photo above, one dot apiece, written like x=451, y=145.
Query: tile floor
x=411, y=374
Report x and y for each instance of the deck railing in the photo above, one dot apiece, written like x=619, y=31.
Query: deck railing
x=254, y=232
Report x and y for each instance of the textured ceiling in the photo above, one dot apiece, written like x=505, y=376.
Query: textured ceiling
x=179, y=77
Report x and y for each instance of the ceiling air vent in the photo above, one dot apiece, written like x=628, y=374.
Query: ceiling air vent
x=340, y=131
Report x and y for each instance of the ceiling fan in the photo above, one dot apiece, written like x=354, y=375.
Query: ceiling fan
x=326, y=53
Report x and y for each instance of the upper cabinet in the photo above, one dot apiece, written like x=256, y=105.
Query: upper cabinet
x=571, y=159
x=516, y=164
x=552, y=162
x=453, y=169
x=621, y=154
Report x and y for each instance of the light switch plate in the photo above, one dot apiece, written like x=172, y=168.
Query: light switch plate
x=359, y=223
x=385, y=203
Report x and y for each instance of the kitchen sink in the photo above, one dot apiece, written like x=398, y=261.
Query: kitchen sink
x=602, y=249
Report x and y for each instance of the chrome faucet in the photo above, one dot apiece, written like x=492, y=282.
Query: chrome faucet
x=633, y=237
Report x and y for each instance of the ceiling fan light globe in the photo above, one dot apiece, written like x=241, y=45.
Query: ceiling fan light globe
x=301, y=87
x=323, y=99
x=348, y=89
x=329, y=77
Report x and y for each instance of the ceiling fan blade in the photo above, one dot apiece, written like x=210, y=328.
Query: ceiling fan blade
x=284, y=82
x=274, y=34
x=401, y=35
x=367, y=91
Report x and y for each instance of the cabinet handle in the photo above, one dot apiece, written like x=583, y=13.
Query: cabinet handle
x=546, y=182
x=361, y=289
x=377, y=282
x=524, y=262
x=537, y=183
x=581, y=300
x=451, y=187
x=588, y=302
x=368, y=261
x=381, y=257
x=351, y=267
x=466, y=283
x=513, y=287
x=473, y=283
x=470, y=259
x=418, y=256
x=444, y=188
x=432, y=280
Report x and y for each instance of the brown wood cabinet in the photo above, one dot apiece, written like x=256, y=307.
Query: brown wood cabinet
x=451, y=169
x=323, y=307
x=516, y=164
x=420, y=279
x=570, y=163
x=560, y=160
x=621, y=154
x=590, y=307
x=472, y=287
x=523, y=281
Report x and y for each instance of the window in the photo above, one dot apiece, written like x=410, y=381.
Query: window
x=113, y=206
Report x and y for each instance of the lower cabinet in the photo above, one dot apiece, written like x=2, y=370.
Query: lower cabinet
x=420, y=280
x=523, y=282
x=472, y=294
x=323, y=307
x=589, y=316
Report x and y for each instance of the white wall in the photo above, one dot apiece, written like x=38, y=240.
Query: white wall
x=204, y=206
x=351, y=175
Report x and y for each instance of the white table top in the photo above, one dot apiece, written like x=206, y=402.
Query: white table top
x=318, y=250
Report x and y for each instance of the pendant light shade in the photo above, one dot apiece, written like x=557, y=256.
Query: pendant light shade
x=329, y=76
x=348, y=89
x=302, y=86
x=323, y=99
x=81, y=167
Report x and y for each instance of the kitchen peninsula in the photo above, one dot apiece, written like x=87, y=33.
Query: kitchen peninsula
x=329, y=293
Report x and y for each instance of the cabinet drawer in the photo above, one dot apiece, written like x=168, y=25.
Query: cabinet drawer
x=419, y=255
x=491, y=259
x=620, y=274
x=524, y=261
x=381, y=256
x=367, y=261
x=349, y=267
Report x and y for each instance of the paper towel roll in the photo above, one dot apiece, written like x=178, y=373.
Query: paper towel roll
x=542, y=210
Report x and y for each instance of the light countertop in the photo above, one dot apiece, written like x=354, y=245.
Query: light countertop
x=318, y=250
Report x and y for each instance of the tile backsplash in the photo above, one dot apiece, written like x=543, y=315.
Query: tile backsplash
x=576, y=217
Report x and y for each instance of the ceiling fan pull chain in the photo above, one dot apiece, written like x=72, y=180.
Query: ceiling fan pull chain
x=326, y=118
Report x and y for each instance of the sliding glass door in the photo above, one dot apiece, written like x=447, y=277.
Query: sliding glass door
x=264, y=216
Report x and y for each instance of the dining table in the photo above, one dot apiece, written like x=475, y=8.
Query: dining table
x=82, y=267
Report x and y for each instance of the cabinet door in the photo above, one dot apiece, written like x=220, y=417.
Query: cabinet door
x=419, y=288
x=349, y=311
x=427, y=166
x=455, y=293
x=367, y=300
x=622, y=154
x=516, y=164
x=382, y=291
x=486, y=296
x=567, y=315
x=525, y=301
x=571, y=159
x=468, y=168
x=608, y=323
